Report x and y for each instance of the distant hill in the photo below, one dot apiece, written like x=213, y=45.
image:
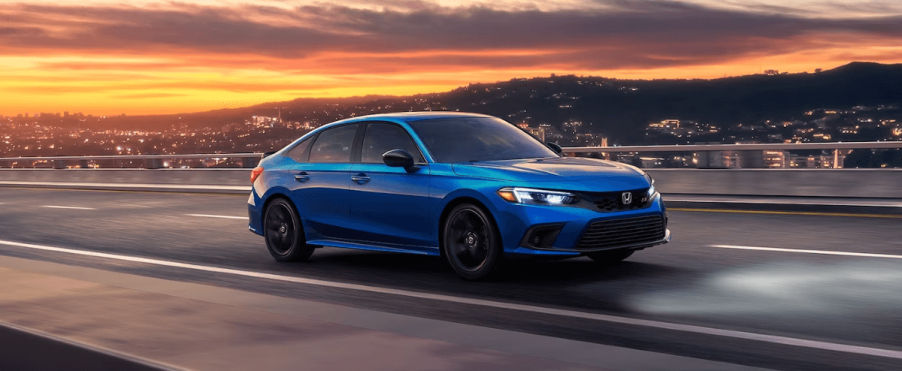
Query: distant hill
x=617, y=108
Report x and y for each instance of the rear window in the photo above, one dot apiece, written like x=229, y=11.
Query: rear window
x=334, y=145
x=299, y=152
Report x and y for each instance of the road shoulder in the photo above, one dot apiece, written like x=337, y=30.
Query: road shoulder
x=207, y=327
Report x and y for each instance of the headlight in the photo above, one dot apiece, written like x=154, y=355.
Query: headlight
x=651, y=189
x=532, y=196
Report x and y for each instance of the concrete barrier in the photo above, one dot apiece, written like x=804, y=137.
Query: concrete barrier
x=845, y=183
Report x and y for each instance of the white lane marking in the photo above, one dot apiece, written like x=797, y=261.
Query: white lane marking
x=487, y=303
x=822, y=252
x=69, y=207
x=218, y=216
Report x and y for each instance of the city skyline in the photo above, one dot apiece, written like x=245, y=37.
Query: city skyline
x=102, y=58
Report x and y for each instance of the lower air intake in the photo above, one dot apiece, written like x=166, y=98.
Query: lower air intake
x=623, y=232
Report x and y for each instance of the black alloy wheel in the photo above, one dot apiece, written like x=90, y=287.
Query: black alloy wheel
x=471, y=242
x=283, y=232
x=610, y=257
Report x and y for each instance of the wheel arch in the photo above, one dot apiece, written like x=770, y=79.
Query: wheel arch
x=277, y=196
x=450, y=205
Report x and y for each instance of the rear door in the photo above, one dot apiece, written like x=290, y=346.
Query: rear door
x=388, y=205
x=322, y=183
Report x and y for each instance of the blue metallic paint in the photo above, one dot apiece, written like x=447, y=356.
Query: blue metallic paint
x=392, y=207
x=399, y=210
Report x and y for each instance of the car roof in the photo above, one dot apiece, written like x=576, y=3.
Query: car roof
x=415, y=116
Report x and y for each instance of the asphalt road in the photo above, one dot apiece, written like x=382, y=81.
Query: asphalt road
x=836, y=296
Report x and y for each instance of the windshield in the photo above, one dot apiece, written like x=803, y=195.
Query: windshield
x=470, y=139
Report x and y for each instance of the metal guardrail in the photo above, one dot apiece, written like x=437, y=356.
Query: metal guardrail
x=135, y=157
x=251, y=159
x=146, y=161
x=740, y=147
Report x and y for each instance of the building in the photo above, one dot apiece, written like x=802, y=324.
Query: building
x=665, y=124
x=849, y=129
x=538, y=132
x=825, y=160
x=776, y=159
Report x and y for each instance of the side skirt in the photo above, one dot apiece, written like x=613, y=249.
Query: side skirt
x=419, y=250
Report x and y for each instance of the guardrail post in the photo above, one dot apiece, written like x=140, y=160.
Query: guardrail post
x=83, y=164
x=59, y=164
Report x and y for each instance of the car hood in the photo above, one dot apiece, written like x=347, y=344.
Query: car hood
x=550, y=170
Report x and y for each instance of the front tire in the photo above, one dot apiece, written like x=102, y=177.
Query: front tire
x=283, y=232
x=471, y=243
x=610, y=257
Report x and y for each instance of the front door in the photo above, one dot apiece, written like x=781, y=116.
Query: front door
x=388, y=205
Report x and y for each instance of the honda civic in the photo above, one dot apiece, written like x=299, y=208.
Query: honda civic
x=471, y=188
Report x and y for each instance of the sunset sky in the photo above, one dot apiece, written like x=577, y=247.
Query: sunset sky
x=102, y=57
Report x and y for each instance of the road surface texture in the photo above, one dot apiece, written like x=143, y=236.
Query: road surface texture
x=171, y=280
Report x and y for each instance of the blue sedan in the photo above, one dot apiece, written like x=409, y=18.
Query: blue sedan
x=472, y=188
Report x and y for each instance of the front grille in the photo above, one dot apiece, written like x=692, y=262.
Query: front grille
x=613, y=201
x=623, y=232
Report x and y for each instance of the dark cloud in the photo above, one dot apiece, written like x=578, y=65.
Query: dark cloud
x=622, y=34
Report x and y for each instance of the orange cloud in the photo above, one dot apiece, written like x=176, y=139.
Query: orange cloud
x=155, y=59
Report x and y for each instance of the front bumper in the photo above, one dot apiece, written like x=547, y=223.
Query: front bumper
x=516, y=222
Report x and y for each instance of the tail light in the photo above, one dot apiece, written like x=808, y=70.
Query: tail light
x=256, y=173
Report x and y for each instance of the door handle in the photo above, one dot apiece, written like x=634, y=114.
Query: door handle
x=360, y=178
x=302, y=177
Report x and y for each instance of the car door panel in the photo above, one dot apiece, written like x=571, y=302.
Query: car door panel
x=392, y=206
x=389, y=205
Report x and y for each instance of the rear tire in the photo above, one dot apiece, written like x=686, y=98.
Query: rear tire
x=283, y=232
x=610, y=257
x=471, y=243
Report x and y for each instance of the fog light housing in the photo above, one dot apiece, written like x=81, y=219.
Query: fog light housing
x=541, y=237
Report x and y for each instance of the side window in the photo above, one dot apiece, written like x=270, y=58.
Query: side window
x=334, y=145
x=381, y=138
x=299, y=152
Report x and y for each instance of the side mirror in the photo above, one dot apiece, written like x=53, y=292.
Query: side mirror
x=555, y=147
x=398, y=158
